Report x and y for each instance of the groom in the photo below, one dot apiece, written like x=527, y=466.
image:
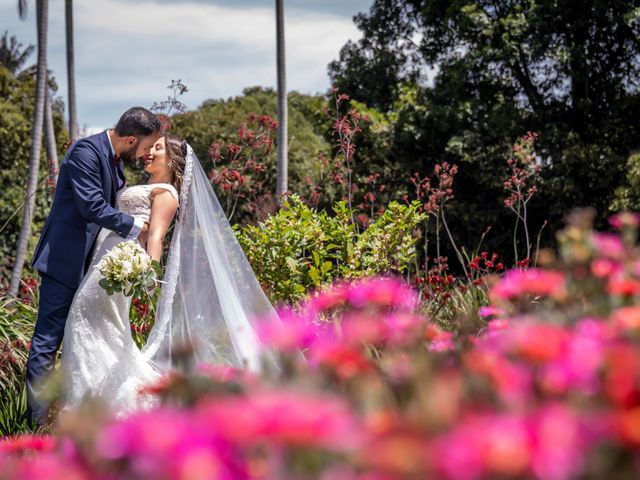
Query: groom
x=90, y=175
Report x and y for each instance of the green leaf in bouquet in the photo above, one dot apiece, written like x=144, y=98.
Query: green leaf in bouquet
x=104, y=283
x=157, y=268
x=149, y=281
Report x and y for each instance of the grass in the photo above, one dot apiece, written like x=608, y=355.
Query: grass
x=16, y=326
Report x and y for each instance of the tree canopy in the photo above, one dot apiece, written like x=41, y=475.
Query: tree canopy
x=482, y=73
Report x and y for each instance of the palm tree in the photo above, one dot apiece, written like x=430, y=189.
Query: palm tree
x=42, y=14
x=12, y=54
x=282, y=170
x=50, y=138
x=71, y=77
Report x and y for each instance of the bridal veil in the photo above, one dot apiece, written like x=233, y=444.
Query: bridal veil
x=210, y=298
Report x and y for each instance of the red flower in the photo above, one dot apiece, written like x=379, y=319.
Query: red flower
x=27, y=443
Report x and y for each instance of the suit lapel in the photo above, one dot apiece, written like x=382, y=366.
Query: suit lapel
x=108, y=157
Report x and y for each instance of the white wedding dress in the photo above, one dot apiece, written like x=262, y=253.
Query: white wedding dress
x=210, y=302
x=99, y=356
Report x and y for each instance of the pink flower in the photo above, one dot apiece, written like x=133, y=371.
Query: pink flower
x=498, y=325
x=327, y=300
x=442, y=343
x=283, y=418
x=627, y=423
x=292, y=333
x=45, y=466
x=485, y=446
x=560, y=443
x=517, y=283
x=608, y=245
x=382, y=292
x=342, y=360
x=627, y=318
x=623, y=286
x=625, y=220
x=26, y=443
x=164, y=442
x=223, y=373
x=490, y=311
x=538, y=342
x=440, y=340
x=604, y=267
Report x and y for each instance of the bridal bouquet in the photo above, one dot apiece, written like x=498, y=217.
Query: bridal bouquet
x=127, y=268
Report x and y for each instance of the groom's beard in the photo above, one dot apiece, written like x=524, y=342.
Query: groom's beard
x=130, y=155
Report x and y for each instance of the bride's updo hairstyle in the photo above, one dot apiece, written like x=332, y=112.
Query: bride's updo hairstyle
x=177, y=151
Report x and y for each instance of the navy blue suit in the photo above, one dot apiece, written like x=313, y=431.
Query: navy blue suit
x=84, y=202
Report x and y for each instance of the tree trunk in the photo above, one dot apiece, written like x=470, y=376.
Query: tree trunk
x=36, y=142
x=282, y=171
x=50, y=139
x=71, y=76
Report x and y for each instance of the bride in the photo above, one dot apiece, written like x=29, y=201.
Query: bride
x=210, y=298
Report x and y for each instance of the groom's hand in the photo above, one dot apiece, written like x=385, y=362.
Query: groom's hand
x=142, y=236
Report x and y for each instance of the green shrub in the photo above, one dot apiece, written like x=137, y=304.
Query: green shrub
x=299, y=249
x=16, y=326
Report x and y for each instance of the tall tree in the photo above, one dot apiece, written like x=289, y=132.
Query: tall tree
x=566, y=69
x=283, y=167
x=12, y=54
x=42, y=17
x=71, y=76
x=50, y=139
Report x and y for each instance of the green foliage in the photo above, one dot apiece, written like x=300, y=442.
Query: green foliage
x=16, y=325
x=13, y=418
x=299, y=248
x=16, y=114
x=219, y=120
x=627, y=195
x=462, y=80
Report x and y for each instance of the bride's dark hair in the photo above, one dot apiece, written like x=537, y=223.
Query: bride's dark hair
x=177, y=150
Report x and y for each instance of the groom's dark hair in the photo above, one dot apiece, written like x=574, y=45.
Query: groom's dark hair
x=137, y=121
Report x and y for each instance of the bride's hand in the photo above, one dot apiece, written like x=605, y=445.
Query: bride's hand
x=143, y=235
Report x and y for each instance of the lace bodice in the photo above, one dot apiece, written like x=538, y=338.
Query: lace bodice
x=136, y=200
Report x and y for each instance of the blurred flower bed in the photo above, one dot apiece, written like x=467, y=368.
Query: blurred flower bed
x=371, y=388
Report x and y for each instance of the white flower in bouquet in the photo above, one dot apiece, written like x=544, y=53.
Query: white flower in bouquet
x=129, y=269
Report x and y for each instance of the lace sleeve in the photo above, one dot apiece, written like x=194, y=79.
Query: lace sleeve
x=165, y=186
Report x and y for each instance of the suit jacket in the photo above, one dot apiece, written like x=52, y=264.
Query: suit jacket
x=83, y=203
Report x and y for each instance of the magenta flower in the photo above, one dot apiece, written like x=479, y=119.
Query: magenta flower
x=46, y=466
x=442, y=343
x=497, y=325
x=224, y=373
x=382, y=292
x=535, y=281
x=484, y=446
x=160, y=443
x=625, y=220
x=605, y=267
x=560, y=444
x=608, y=245
x=26, y=443
x=580, y=363
x=327, y=300
x=490, y=311
x=290, y=335
x=283, y=418
x=627, y=319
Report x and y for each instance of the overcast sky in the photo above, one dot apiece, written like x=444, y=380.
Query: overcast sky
x=128, y=51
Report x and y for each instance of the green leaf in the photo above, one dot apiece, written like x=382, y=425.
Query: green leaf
x=291, y=263
x=315, y=276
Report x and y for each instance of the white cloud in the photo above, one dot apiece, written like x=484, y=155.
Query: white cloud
x=127, y=52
